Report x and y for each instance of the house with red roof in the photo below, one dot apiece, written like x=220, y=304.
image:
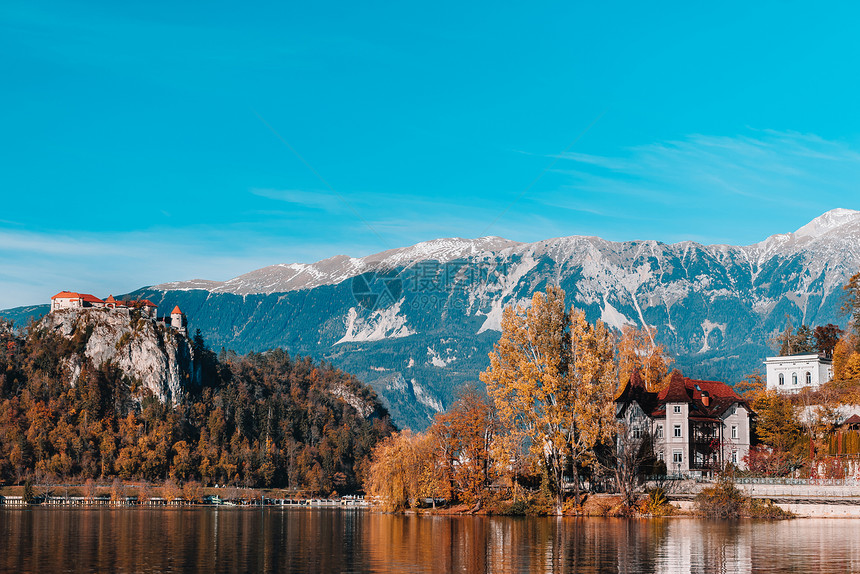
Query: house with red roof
x=147, y=308
x=697, y=427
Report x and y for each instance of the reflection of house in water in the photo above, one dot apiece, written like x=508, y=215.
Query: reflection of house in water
x=697, y=426
x=74, y=301
x=704, y=546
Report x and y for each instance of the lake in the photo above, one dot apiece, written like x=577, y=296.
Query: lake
x=335, y=540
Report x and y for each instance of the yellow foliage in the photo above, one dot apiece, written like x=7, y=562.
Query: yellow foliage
x=751, y=386
x=552, y=376
x=465, y=437
x=405, y=468
x=841, y=354
x=638, y=351
x=852, y=367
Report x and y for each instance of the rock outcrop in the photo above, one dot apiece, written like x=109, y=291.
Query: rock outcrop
x=145, y=350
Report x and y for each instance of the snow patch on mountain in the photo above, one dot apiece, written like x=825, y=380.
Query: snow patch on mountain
x=828, y=222
x=613, y=317
x=425, y=398
x=500, y=292
x=381, y=324
x=436, y=359
x=707, y=327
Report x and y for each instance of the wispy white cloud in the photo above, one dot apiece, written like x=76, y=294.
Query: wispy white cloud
x=702, y=182
x=34, y=265
x=314, y=199
x=743, y=165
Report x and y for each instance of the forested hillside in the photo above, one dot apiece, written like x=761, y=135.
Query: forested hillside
x=262, y=419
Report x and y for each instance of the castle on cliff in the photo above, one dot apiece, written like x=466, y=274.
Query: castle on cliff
x=72, y=300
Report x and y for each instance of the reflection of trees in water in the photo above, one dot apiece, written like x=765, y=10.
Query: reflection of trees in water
x=437, y=543
x=251, y=540
x=500, y=544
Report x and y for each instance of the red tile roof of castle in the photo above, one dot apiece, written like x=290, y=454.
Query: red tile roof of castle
x=72, y=295
x=66, y=295
x=176, y=310
x=110, y=299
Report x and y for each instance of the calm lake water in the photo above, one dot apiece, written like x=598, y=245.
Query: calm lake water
x=331, y=540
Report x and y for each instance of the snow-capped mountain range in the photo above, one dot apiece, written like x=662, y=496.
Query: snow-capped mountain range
x=294, y=276
x=820, y=241
x=417, y=322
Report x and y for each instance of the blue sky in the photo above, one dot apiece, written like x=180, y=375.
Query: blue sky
x=150, y=142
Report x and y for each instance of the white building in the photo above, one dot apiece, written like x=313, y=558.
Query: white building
x=794, y=372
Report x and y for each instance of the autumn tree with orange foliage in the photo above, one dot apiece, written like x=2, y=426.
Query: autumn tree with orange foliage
x=781, y=432
x=846, y=351
x=465, y=436
x=751, y=386
x=552, y=376
x=637, y=350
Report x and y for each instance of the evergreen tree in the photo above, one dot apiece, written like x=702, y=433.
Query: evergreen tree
x=804, y=341
x=826, y=338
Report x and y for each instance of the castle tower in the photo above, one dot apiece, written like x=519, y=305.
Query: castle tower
x=178, y=320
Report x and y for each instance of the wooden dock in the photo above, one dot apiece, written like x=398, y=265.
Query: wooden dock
x=130, y=501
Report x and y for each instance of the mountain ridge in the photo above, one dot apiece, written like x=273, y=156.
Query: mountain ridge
x=341, y=267
x=416, y=323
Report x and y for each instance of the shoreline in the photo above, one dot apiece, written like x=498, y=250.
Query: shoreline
x=800, y=511
x=801, y=501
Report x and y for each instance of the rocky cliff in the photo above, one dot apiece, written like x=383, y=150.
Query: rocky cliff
x=145, y=351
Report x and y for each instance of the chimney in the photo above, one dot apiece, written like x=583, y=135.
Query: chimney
x=706, y=398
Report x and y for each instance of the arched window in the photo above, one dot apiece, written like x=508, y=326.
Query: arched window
x=808, y=378
x=781, y=379
x=793, y=378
